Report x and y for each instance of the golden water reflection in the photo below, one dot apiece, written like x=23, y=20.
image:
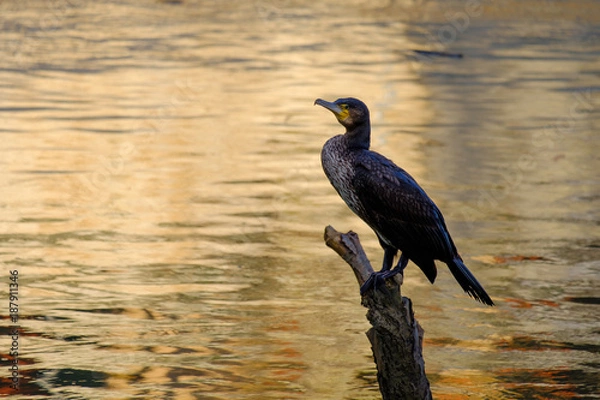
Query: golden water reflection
x=164, y=202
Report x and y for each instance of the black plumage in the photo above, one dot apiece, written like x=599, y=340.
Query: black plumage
x=390, y=201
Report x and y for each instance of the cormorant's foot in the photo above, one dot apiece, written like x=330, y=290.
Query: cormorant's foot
x=369, y=284
x=376, y=280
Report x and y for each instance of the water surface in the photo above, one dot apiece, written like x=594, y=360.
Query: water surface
x=164, y=204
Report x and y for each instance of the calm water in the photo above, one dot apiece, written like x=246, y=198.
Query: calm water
x=163, y=200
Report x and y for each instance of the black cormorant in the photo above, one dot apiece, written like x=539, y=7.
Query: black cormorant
x=390, y=201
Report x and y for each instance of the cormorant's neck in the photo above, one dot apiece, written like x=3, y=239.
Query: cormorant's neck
x=359, y=137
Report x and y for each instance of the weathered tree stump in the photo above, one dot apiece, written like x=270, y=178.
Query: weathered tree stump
x=396, y=337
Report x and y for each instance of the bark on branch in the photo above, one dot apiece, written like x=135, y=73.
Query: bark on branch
x=396, y=337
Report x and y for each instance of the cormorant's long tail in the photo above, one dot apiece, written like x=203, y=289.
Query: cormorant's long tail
x=468, y=282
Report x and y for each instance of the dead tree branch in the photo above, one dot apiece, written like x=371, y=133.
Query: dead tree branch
x=396, y=337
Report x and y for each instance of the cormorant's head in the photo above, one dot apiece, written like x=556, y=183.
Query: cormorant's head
x=350, y=112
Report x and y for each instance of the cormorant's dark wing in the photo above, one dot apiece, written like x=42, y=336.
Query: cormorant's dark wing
x=400, y=211
x=402, y=214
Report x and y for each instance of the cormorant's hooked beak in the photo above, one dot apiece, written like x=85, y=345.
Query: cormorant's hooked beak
x=340, y=113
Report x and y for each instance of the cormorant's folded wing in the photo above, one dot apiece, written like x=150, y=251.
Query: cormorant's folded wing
x=400, y=210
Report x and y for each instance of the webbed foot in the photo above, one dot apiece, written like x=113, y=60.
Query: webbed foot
x=377, y=280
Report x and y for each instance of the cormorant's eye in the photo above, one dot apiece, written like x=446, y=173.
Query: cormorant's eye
x=344, y=106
